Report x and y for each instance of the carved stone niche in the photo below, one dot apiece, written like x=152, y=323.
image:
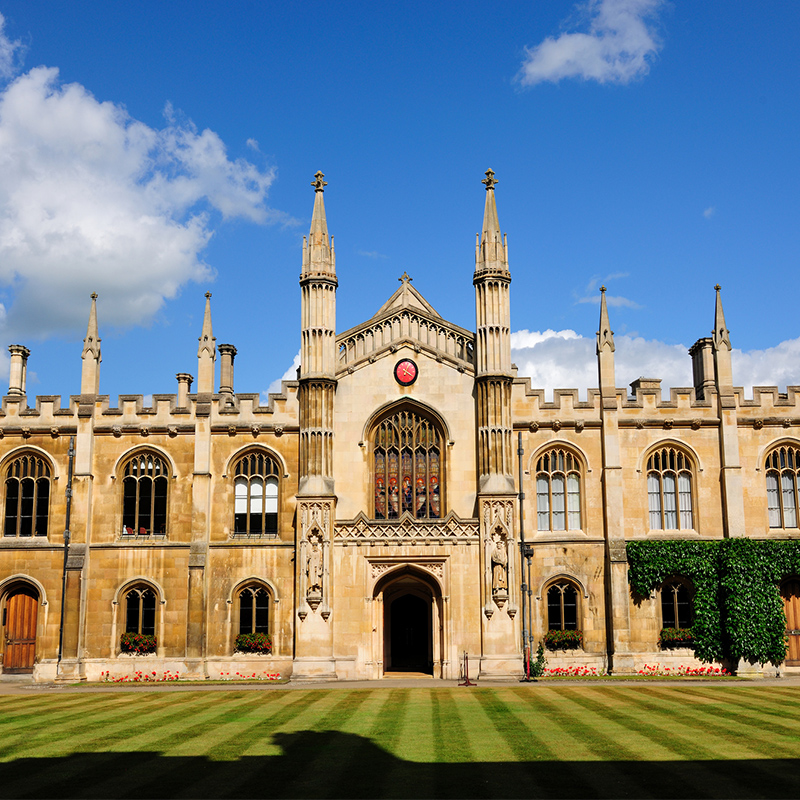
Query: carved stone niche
x=314, y=598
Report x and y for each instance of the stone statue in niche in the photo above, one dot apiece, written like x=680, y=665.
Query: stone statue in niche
x=314, y=570
x=499, y=564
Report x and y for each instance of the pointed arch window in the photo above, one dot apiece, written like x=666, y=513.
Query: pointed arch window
x=254, y=609
x=558, y=491
x=27, y=501
x=140, y=611
x=782, y=470
x=407, y=467
x=562, y=606
x=145, y=486
x=669, y=490
x=676, y=605
x=255, y=495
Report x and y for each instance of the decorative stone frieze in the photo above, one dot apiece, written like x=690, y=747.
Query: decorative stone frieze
x=407, y=528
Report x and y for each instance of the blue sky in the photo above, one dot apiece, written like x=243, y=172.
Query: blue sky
x=154, y=151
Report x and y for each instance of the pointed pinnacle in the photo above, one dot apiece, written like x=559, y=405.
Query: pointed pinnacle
x=721, y=334
x=207, y=335
x=91, y=344
x=319, y=184
x=605, y=336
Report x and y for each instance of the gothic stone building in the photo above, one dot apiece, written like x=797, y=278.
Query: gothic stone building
x=368, y=518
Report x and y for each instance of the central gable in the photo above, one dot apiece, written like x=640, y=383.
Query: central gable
x=406, y=318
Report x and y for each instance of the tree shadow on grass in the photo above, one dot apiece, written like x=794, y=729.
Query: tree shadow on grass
x=334, y=764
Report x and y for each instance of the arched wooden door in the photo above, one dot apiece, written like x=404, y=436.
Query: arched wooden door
x=790, y=591
x=19, y=628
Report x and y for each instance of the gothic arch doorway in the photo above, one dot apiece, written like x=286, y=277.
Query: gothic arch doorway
x=20, y=617
x=410, y=626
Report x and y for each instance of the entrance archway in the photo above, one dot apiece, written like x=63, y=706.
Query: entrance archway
x=20, y=616
x=411, y=622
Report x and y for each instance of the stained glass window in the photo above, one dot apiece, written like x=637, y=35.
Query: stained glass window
x=407, y=461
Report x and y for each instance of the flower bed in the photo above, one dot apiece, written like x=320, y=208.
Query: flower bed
x=573, y=672
x=244, y=676
x=657, y=671
x=253, y=643
x=138, y=643
x=139, y=677
x=563, y=640
x=676, y=637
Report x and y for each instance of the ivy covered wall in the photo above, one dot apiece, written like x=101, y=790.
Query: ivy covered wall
x=738, y=610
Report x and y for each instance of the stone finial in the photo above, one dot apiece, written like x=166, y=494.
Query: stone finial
x=18, y=370
x=489, y=181
x=319, y=184
x=405, y=278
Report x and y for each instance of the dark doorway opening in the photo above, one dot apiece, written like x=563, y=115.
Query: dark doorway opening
x=410, y=637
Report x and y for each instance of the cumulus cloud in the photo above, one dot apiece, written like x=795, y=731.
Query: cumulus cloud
x=618, y=46
x=289, y=375
x=11, y=51
x=94, y=200
x=709, y=212
x=565, y=360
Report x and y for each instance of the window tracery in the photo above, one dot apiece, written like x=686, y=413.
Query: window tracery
x=145, y=486
x=254, y=609
x=255, y=495
x=558, y=491
x=27, y=504
x=676, y=605
x=669, y=490
x=782, y=469
x=407, y=467
x=140, y=610
x=562, y=606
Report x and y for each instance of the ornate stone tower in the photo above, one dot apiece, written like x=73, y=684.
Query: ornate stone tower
x=496, y=490
x=316, y=501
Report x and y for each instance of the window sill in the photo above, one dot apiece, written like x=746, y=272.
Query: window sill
x=254, y=536
x=143, y=537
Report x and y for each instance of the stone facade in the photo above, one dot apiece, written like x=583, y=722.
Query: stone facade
x=352, y=576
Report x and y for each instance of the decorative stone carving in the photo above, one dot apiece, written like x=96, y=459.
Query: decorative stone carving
x=145, y=431
x=172, y=430
x=314, y=570
x=534, y=426
x=231, y=430
x=696, y=423
x=26, y=432
x=117, y=431
x=255, y=429
x=787, y=423
x=579, y=426
x=278, y=430
x=381, y=567
x=758, y=424
x=639, y=424
x=54, y=432
x=498, y=545
x=668, y=424
x=556, y=424
x=452, y=528
x=314, y=556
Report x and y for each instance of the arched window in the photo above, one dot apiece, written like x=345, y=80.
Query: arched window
x=27, y=496
x=407, y=467
x=782, y=467
x=255, y=502
x=669, y=490
x=140, y=611
x=254, y=609
x=144, y=495
x=558, y=491
x=676, y=605
x=562, y=606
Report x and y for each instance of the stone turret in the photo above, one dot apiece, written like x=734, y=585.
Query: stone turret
x=605, y=350
x=317, y=352
x=90, y=369
x=721, y=339
x=493, y=350
x=206, y=354
x=18, y=370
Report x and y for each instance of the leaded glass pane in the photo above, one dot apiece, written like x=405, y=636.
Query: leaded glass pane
x=789, y=509
x=670, y=502
x=574, y=501
x=773, y=501
x=559, y=518
x=543, y=503
x=654, y=500
x=685, y=500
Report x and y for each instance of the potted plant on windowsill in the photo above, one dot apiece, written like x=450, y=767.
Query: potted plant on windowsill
x=257, y=643
x=563, y=640
x=140, y=644
x=676, y=637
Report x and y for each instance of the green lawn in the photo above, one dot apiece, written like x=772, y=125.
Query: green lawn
x=516, y=741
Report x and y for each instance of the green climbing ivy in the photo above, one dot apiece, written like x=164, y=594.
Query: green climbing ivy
x=651, y=563
x=737, y=604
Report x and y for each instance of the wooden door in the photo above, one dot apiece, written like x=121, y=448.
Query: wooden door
x=790, y=591
x=20, y=614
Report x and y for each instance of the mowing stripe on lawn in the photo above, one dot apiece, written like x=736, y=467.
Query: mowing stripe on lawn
x=502, y=707
x=664, y=732
x=555, y=703
x=119, y=739
x=773, y=739
x=762, y=706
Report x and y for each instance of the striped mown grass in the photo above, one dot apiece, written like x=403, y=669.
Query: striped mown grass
x=515, y=741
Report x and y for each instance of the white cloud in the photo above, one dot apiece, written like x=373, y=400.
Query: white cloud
x=620, y=44
x=289, y=375
x=11, y=51
x=611, y=300
x=565, y=360
x=371, y=254
x=93, y=200
x=709, y=212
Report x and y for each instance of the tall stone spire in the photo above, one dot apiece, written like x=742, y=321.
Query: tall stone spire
x=317, y=352
x=605, y=350
x=493, y=350
x=206, y=353
x=90, y=369
x=491, y=250
x=721, y=338
x=318, y=254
